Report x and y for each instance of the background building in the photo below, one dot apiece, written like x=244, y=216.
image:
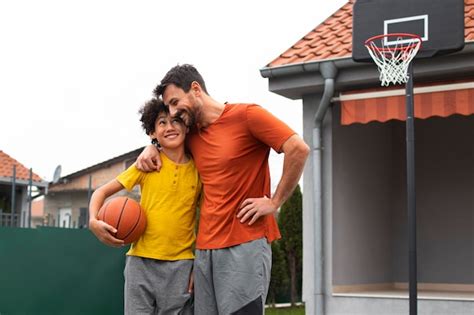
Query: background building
x=355, y=247
x=67, y=201
x=15, y=191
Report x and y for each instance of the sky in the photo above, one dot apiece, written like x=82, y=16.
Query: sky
x=73, y=74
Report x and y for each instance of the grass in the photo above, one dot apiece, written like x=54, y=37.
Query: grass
x=297, y=310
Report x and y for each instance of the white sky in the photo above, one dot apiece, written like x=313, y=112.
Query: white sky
x=73, y=74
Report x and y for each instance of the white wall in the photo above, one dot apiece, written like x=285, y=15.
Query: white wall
x=369, y=202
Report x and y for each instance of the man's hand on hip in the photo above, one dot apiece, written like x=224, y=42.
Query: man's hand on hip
x=254, y=208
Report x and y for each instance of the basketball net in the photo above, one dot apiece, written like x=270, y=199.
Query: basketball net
x=392, y=53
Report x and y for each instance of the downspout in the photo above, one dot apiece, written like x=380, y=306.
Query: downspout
x=328, y=71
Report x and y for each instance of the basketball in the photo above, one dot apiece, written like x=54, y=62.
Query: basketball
x=126, y=215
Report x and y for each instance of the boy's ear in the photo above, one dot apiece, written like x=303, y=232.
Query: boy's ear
x=156, y=143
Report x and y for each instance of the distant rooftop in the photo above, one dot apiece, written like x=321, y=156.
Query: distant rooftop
x=22, y=172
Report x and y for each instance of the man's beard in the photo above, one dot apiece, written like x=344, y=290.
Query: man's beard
x=187, y=117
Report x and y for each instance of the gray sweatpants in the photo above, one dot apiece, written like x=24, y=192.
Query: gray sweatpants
x=157, y=286
x=232, y=280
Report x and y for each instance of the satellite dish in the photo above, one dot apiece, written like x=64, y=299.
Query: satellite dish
x=57, y=174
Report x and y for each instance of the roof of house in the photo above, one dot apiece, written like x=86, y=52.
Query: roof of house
x=21, y=173
x=125, y=156
x=333, y=38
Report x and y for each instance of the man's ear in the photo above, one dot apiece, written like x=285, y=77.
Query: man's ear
x=196, y=88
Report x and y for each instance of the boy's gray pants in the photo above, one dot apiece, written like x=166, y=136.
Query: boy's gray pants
x=157, y=286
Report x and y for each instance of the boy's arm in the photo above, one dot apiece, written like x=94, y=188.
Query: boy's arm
x=103, y=231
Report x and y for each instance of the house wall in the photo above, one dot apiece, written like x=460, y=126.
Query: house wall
x=445, y=201
x=59, y=200
x=74, y=201
x=369, y=204
x=362, y=172
x=309, y=264
x=386, y=231
x=37, y=221
x=74, y=193
x=24, y=217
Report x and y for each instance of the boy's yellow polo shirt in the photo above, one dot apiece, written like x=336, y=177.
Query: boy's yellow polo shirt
x=169, y=198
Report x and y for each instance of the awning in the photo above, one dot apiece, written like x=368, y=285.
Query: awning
x=385, y=104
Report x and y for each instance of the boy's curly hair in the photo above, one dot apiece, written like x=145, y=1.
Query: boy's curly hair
x=150, y=112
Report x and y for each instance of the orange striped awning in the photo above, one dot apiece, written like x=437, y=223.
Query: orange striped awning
x=386, y=104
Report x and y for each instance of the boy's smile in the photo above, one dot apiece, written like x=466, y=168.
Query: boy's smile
x=169, y=131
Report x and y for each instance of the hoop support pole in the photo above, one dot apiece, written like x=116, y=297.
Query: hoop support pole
x=411, y=194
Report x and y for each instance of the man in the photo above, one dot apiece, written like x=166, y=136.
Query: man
x=230, y=144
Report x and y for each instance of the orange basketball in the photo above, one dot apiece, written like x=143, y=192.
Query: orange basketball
x=126, y=216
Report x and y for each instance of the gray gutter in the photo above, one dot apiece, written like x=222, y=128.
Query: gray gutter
x=22, y=182
x=307, y=66
x=329, y=73
x=273, y=72
x=296, y=80
x=340, y=63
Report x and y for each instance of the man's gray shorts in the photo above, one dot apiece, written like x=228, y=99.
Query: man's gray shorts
x=157, y=286
x=232, y=280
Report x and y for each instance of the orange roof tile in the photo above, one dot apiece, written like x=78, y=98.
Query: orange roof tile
x=333, y=37
x=22, y=172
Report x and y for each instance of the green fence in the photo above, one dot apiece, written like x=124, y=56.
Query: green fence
x=59, y=271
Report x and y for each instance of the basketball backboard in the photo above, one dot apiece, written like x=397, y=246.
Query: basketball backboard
x=439, y=23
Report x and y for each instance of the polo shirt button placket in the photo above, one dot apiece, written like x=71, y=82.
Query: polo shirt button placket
x=175, y=176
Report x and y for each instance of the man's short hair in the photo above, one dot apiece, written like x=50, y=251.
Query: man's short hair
x=182, y=76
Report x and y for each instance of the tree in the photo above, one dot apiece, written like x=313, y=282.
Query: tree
x=291, y=226
x=279, y=277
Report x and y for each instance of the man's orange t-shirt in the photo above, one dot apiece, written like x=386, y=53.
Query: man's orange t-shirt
x=231, y=156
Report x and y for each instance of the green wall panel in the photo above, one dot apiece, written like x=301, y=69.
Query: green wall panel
x=59, y=271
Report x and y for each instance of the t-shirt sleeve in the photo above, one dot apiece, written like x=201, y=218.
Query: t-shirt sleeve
x=267, y=128
x=130, y=177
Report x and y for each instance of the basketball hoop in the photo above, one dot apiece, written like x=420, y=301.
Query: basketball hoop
x=392, y=54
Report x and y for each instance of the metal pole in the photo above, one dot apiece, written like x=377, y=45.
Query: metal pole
x=30, y=187
x=89, y=195
x=318, y=224
x=411, y=195
x=13, y=203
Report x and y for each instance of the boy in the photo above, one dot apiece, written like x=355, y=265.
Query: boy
x=158, y=266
